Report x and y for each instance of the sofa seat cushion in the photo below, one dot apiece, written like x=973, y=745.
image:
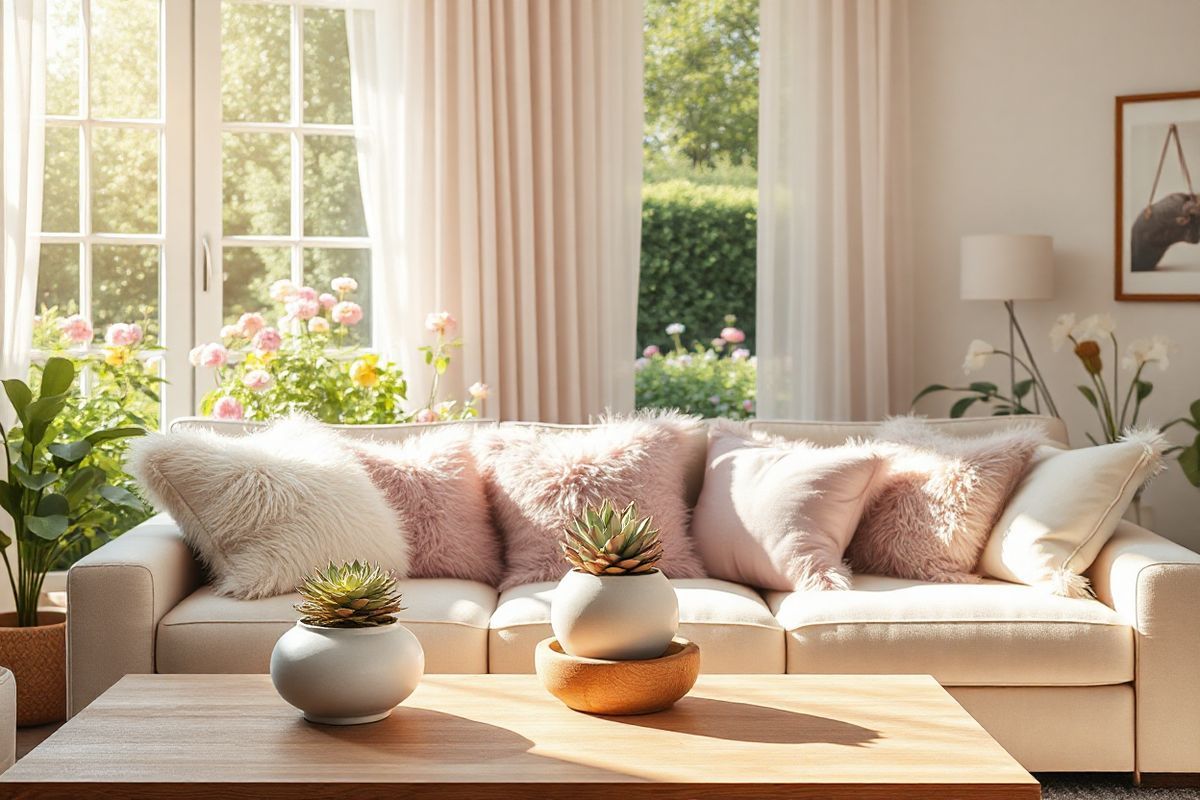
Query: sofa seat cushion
x=732, y=625
x=210, y=633
x=985, y=634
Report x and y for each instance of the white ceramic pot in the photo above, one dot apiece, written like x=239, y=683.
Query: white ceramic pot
x=614, y=617
x=346, y=676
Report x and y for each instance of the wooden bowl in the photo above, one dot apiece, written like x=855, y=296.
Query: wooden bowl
x=598, y=686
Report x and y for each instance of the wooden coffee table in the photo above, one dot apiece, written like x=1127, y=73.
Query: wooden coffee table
x=503, y=736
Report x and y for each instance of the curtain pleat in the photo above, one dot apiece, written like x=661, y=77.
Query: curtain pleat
x=834, y=312
x=521, y=181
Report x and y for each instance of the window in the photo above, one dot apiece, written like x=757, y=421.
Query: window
x=109, y=139
x=277, y=191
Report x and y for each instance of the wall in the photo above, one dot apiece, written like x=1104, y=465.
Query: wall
x=1013, y=132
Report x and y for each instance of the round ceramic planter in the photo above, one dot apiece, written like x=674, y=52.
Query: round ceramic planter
x=614, y=617
x=346, y=676
x=37, y=657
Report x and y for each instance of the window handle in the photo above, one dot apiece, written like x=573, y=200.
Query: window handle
x=206, y=277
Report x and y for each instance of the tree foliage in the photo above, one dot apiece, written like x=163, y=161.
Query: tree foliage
x=701, y=80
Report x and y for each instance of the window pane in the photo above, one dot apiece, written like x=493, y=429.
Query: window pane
x=124, y=180
x=125, y=287
x=60, y=201
x=124, y=66
x=256, y=170
x=332, y=196
x=62, y=57
x=326, y=67
x=255, y=69
x=248, y=275
x=323, y=264
x=58, y=278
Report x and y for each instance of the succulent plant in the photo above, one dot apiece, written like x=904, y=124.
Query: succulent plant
x=353, y=595
x=603, y=542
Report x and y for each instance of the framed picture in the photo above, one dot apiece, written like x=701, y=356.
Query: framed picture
x=1157, y=211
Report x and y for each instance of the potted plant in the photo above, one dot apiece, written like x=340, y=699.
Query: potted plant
x=347, y=661
x=614, y=604
x=51, y=494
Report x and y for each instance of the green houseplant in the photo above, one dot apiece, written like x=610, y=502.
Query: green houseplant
x=50, y=492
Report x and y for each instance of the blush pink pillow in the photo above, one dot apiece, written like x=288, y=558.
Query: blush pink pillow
x=539, y=479
x=778, y=515
x=938, y=500
x=432, y=485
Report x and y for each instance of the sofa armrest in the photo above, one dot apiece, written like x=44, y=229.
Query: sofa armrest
x=1154, y=584
x=116, y=596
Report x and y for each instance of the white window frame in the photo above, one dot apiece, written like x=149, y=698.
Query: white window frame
x=174, y=195
x=209, y=127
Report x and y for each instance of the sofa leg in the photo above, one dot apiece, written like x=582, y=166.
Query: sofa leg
x=1167, y=780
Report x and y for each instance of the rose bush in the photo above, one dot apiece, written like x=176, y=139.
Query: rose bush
x=308, y=364
x=713, y=380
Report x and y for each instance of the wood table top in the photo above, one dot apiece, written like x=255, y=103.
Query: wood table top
x=503, y=736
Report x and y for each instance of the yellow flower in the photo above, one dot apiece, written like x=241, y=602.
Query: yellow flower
x=116, y=356
x=363, y=372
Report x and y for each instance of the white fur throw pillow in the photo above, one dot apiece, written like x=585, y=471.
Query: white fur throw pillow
x=1066, y=508
x=778, y=514
x=937, y=499
x=260, y=511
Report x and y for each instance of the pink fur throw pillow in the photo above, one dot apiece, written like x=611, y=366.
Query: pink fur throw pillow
x=432, y=484
x=778, y=514
x=539, y=479
x=938, y=500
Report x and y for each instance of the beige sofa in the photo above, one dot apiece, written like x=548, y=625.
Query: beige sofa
x=1065, y=685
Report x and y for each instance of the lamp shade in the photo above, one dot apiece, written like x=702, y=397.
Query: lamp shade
x=1003, y=266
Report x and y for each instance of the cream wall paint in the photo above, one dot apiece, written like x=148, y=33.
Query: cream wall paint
x=1013, y=133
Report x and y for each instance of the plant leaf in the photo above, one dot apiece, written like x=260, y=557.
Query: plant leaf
x=53, y=504
x=68, y=453
x=1195, y=409
x=983, y=387
x=1144, y=388
x=50, y=528
x=31, y=481
x=1189, y=462
x=81, y=485
x=96, y=437
x=40, y=414
x=961, y=406
x=121, y=497
x=19, y=395
x=1088, y=394
x=1022, y=388
x=930, y=389
x=57, y=376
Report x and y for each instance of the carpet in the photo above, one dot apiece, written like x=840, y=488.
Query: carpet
x=1101, y=786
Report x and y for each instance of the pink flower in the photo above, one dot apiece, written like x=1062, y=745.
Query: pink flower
x=650, y=351
x=318, y=325
x=440, y=322
x=282, y=290
x=230, y=332
x=479, y=390
x=718, y=343
x=256, y=380
x=77, y=329
x=741, y=354
x=267, y=340
x=123, y=334
x=227, y=408
x=250, y=323
x=213, y=355
x=426, y=415
x=347, y=313
x=305, y=293
x=747, y=405
x=733, y=335
x=303, y=308
x=327, y=300
x=344, y=285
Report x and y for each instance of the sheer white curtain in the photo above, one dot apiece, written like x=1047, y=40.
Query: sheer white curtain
x=22, y=63
x=834, y=321
x=500, y=153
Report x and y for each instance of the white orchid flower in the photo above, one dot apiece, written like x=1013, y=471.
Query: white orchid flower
x=1060, y=333
x=978, y=352
x=1155, y=350
x=1096, y=328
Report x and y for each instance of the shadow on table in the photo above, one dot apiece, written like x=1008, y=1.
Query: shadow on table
x=747, y=722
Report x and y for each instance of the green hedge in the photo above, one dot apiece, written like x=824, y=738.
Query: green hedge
x=698, y=260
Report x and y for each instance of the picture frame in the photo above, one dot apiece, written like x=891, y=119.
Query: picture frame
x=1157, y=212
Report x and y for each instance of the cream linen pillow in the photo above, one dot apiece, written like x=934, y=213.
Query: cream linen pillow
x=1065, y=509
x=260, y=511
x=778, y=515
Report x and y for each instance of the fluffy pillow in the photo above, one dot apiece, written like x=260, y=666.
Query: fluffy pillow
x=260, y=511
x=938, y=499
x=1065, y=509
x=778, y=515
x=539, y=479
x=432, y=484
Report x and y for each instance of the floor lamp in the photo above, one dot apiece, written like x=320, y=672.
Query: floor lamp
x=1008, y=268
